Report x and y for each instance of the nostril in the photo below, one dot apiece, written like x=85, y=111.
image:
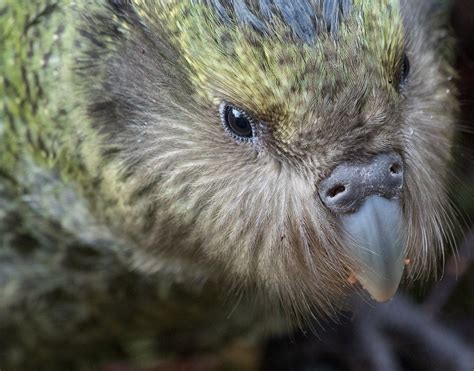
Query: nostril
x=347, y=187
x=336, y=190
x=395, y=169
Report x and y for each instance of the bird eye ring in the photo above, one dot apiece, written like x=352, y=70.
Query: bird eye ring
x=237, y=123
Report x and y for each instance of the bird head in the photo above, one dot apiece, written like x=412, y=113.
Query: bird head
x=295, y=147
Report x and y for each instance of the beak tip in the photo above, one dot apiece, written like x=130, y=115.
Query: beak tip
x=381, y=288
x=380, y=294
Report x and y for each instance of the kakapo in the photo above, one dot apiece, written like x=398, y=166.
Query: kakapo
x=177, y=170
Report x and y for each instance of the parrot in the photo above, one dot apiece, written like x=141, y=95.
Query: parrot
x=176, y=176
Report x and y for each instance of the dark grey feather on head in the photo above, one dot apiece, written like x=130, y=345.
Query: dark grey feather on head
x=305, y=18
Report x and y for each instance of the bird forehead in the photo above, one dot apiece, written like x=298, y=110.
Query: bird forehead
x=275, y=58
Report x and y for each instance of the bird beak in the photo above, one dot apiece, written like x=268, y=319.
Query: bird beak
x=373, y=236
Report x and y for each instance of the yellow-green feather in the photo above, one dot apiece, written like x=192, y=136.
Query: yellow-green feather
x=270, y=76
x=32, y=40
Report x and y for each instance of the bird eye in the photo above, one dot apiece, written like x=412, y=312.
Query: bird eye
x=405, y=70
x=237, y=122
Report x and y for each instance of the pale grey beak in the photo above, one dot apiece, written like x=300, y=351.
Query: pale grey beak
x=373, y=236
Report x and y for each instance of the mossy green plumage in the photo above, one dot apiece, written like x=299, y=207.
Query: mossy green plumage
x=69, y=297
